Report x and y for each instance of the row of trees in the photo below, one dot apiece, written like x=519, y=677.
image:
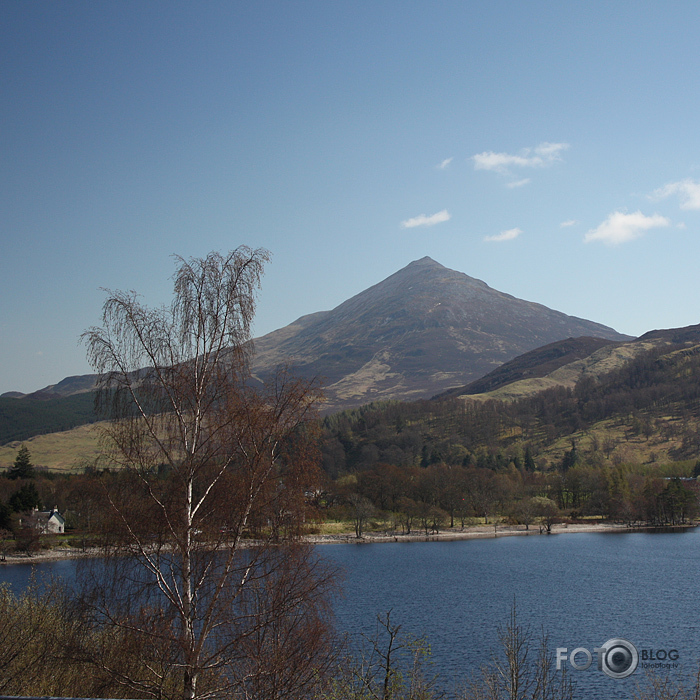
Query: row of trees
x=440, y=496
x=413, y=498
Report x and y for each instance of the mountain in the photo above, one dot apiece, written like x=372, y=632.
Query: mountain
x=624, y=402
x=687, y=334
x=66, y=387
x=421, y=331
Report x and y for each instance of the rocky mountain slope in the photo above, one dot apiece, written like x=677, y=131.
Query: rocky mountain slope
x=419, y=332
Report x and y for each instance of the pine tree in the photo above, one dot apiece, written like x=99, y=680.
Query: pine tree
x=22, y=468
x=25, y=499
x=530, y=465
x=5, y=518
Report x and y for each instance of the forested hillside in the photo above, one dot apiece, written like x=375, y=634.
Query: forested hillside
x=21, y=418
x=655, y=397
x=624, y=446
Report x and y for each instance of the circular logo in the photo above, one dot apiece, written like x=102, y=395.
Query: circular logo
x=620, y=658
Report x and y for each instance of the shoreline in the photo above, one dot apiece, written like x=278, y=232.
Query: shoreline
x=49, y=555
x=472, y=532
x=486, y=532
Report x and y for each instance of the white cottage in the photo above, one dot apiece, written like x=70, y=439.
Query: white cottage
x=49, y=522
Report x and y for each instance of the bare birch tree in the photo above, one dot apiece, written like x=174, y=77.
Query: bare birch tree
x=209, y=498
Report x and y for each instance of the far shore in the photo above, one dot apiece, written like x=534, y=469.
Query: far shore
x=484, y=532
x=450, y=534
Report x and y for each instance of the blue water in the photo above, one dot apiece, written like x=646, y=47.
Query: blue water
x=580, y=589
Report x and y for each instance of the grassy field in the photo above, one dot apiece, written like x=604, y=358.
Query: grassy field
x=71, y=450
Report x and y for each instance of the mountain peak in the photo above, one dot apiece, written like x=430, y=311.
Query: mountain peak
x=419, y=332
x=425, y=261
x=422, y=330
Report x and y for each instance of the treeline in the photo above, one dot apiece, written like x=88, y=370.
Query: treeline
x=645, y=396
x=438, y=496
x=412, y=499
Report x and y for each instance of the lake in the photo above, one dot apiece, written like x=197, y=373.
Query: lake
x=581, y=589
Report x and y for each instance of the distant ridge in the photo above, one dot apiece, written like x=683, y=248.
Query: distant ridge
x=69, y=386
x=535, y=364
x=12, y=395
x=689, y=334
x=565, y=362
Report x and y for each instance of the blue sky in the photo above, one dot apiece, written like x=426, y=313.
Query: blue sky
x=550, y=149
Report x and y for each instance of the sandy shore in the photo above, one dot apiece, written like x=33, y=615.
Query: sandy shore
x=47, y=555
x=477, y=532
x=467, y=533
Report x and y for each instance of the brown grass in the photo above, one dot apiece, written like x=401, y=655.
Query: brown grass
x=70, y=450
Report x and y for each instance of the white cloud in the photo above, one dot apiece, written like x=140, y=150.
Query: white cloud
x=518, y=183
x=567, y=223
x=500, y=162
x=551, y=151
x=621, y=228
x=508, y=235
x=687, y=190
x=424, y=220
x=539, y=157
x=445, y=163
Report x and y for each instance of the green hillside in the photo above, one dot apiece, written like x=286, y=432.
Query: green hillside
x=636, y=402
x=646, y=409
